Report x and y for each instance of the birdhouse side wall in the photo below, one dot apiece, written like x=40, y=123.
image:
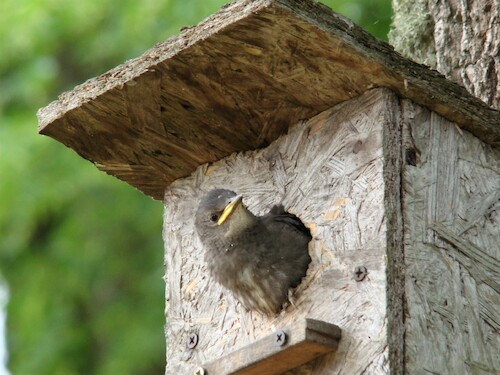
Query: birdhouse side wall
x=329, y=171
x=451, y=195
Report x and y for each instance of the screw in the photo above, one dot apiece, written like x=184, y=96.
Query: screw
x=360, y=273
x=199, y=371
x=192, y=340
x=280, y=338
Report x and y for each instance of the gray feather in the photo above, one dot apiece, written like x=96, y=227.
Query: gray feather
x=258, y=258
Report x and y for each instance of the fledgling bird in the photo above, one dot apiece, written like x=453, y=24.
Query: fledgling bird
x=258, y=258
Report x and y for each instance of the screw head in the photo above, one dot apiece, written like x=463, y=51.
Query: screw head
x=280, y=338
x=192, y=340
x=360, y=273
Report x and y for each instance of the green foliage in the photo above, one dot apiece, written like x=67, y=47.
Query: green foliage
x=83, y=256
x=81, y=251
x=373, y=15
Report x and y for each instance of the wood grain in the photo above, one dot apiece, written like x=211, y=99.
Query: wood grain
x=330, y=172
x=300, y=343
x=451, y=195
x=236, y=82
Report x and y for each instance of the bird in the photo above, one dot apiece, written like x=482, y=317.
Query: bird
x=260, y=259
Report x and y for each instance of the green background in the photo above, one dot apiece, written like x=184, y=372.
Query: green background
x=82, y=252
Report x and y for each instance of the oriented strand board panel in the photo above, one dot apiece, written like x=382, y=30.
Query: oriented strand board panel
x=451, y=195
x=280, y=351
x=236, y=82
x=330, y=172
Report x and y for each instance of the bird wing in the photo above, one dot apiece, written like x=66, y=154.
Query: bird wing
x=279, y=215
x=290, y=238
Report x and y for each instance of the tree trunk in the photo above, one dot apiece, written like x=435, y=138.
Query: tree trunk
x=459, y=38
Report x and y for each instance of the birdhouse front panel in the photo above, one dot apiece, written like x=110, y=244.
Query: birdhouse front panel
x=329, y=172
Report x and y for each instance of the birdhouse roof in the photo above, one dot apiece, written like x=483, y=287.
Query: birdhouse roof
x=236, y=82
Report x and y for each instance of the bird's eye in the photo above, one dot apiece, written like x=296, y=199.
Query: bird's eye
x=214, y=217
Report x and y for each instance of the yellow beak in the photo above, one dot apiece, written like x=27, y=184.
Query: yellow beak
x=229, y=209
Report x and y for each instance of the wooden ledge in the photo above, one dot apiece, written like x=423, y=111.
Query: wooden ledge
x=280, y=351
x=236, y=82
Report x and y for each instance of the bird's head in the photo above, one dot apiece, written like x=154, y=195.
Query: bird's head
x=222, y=216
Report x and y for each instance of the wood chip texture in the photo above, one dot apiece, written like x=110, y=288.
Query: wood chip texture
x=329, y=171
x=451, y=195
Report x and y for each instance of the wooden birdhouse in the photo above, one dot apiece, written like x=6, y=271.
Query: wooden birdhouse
x=394, y=170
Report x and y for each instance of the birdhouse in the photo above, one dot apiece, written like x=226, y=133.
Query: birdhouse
x=392, y=168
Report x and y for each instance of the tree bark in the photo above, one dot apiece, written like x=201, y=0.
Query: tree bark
x=459, y=38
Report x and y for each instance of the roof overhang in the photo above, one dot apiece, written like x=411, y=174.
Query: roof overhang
x=236, y=82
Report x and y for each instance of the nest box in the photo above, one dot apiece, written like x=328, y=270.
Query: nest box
x=393, y=168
